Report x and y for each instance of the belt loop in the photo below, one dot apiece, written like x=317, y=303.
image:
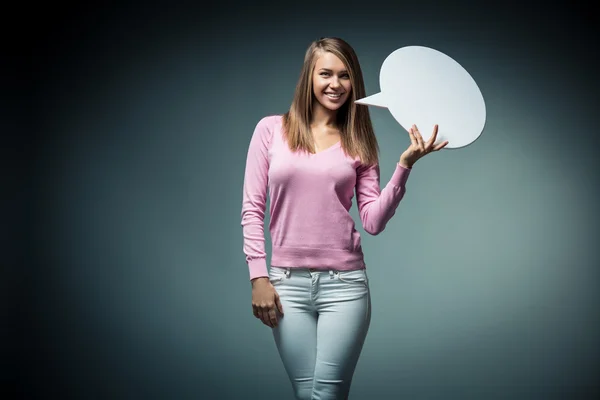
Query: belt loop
x=331, y=274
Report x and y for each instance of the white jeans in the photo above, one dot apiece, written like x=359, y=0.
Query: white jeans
x=326, y=318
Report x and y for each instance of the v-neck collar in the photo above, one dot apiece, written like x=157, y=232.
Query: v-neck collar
x=335, y=145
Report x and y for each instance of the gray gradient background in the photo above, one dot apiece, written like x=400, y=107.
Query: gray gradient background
x=484, y=284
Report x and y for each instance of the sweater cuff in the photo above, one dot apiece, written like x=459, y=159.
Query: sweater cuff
x=400, y=176
x=258, y=268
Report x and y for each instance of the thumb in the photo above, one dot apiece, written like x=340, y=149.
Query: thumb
x=278, y=302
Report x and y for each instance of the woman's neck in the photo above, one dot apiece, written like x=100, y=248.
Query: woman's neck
x=323, y=117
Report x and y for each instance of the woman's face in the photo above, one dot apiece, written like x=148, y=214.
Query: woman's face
x=331, y=82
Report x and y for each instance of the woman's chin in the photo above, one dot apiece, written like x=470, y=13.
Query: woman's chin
x=333, y=105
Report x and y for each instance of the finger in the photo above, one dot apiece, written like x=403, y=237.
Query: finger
x=431, y=140
x=264, y=316
x=273, y=317
x=412, y=137
x=267, y=319
x=419, y=138
x=279, y=305
x=255, y=311
x=440, y=146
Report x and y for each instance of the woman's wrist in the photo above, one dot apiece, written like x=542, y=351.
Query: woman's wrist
x=404, y=164
x=253, y=281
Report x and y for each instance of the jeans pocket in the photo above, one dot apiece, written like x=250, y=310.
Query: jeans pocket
x=356, y=277
x=277, y=274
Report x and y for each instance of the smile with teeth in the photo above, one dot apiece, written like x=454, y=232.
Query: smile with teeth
x=333, y=96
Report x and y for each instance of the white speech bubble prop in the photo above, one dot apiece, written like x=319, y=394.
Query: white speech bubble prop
x=423, y=86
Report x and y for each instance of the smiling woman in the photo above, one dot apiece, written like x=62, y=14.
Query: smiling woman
x=331, y=88
x=331, y=81
x=323, y=109
x=316, y=295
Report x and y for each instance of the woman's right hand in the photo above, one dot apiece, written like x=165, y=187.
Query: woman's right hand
x=265, y=301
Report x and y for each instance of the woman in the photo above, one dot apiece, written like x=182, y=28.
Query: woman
x=316, y=296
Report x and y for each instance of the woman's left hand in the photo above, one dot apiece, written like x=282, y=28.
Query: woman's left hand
x=418, y=148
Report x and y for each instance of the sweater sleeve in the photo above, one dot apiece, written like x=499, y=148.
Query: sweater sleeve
x=254, y=199
x=375, y=206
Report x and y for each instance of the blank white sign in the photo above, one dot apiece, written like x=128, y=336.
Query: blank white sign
x=423, y=86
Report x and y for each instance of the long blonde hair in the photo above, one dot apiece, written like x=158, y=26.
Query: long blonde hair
x=354, y=121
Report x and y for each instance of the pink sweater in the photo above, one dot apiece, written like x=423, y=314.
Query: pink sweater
x=310, y=198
